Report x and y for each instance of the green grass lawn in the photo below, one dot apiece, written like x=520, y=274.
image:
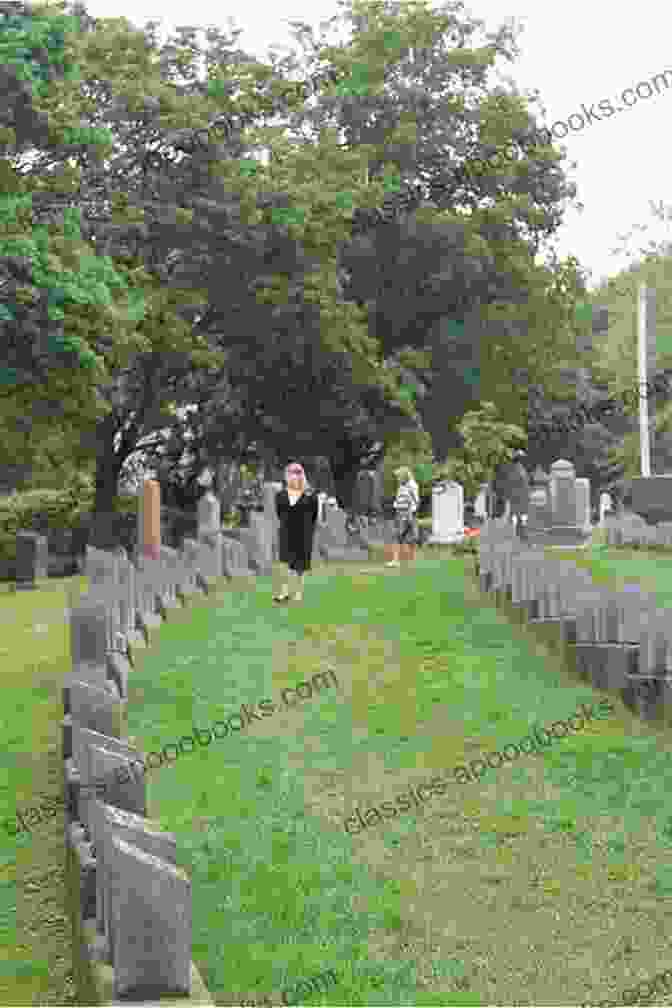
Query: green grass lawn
x=545, y=883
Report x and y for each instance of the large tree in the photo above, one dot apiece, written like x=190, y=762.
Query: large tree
x=451, y=245
x=145, y=209
x=212, y=242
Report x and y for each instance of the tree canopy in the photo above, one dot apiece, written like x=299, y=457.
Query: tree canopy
x=224, y=242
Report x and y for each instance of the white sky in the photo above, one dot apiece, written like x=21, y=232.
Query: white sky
x=572, y=53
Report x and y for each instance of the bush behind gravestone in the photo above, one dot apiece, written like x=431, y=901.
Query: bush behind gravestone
x=46, y=511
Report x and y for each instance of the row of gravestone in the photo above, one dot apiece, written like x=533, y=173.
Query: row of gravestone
x=123, y=867
x=633, y=530
x=243, y=551
x=130, y=905
x=614, y=639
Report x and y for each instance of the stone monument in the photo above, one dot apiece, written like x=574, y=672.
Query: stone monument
x=651, y=497
x=553, y=516
x=209, y=515
x=606, y=506
x=149, y=520
x=447, y=513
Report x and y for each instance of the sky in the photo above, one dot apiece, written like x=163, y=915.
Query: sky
x=573, y=54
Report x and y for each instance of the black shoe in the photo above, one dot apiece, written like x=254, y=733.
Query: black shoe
x=281, y=598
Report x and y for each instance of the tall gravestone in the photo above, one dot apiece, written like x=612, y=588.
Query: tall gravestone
x=563, y=517
x=651, y=497
x=209, y=515
x=481, y=503
x=447, y=513
x=271, y=516
x=563, y=493
x=149, y=520
x=583, y=504
x=261, y=543
x=606, y=506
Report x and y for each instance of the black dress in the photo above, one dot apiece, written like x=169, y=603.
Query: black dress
x=297, y=528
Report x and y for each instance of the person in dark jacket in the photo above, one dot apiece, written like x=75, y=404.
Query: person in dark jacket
x=297, y=510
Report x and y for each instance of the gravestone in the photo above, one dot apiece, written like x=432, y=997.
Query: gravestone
x=606, y=506
x=125, y=573
x=262, y=531
x=270, y=492
x=100, y=566
x=481, y=503
x=332, y=535
x=149, y=520
x=563, y=493
x=255, y=541
x=175, y=577
x=583, y=504
x=539, y=506
x=100, y=710
x=560, y=526
x=539, y=510
x=79, y=770
x=447, y=513
x=651, y=497
x=87, y=617
x=32, y=558
x=150, y=914
x=209, y=515
x=115, y=779
x=234, y=558
x=106, y=822
x=147, y=587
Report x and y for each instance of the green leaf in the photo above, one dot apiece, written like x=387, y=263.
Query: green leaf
x=392, y=42
x=249, y=167
x=287, y=215
x=345, y=201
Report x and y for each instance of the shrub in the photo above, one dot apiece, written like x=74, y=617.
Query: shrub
x=45, y=511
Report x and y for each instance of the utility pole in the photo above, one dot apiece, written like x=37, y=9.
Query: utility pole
x=646, y=359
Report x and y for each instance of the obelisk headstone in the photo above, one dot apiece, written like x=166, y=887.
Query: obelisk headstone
x=149, y=520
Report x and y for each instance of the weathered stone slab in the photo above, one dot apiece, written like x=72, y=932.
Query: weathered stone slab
x=234, y=558
x=106, y=822
x=607, y=666
x=88, y=642
x=116, y=780
x=101, y=710
x=150, y=908
x=79, y=771
x=118, y=670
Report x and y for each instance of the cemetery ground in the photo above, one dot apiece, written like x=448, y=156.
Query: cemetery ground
x=547, y=882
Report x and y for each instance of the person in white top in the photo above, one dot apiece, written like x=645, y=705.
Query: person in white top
x=406, y=505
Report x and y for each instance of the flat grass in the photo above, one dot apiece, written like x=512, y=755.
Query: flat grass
x=35, y=959
x=547, y=882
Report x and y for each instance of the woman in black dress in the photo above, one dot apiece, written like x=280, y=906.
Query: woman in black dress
x=297, y=510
